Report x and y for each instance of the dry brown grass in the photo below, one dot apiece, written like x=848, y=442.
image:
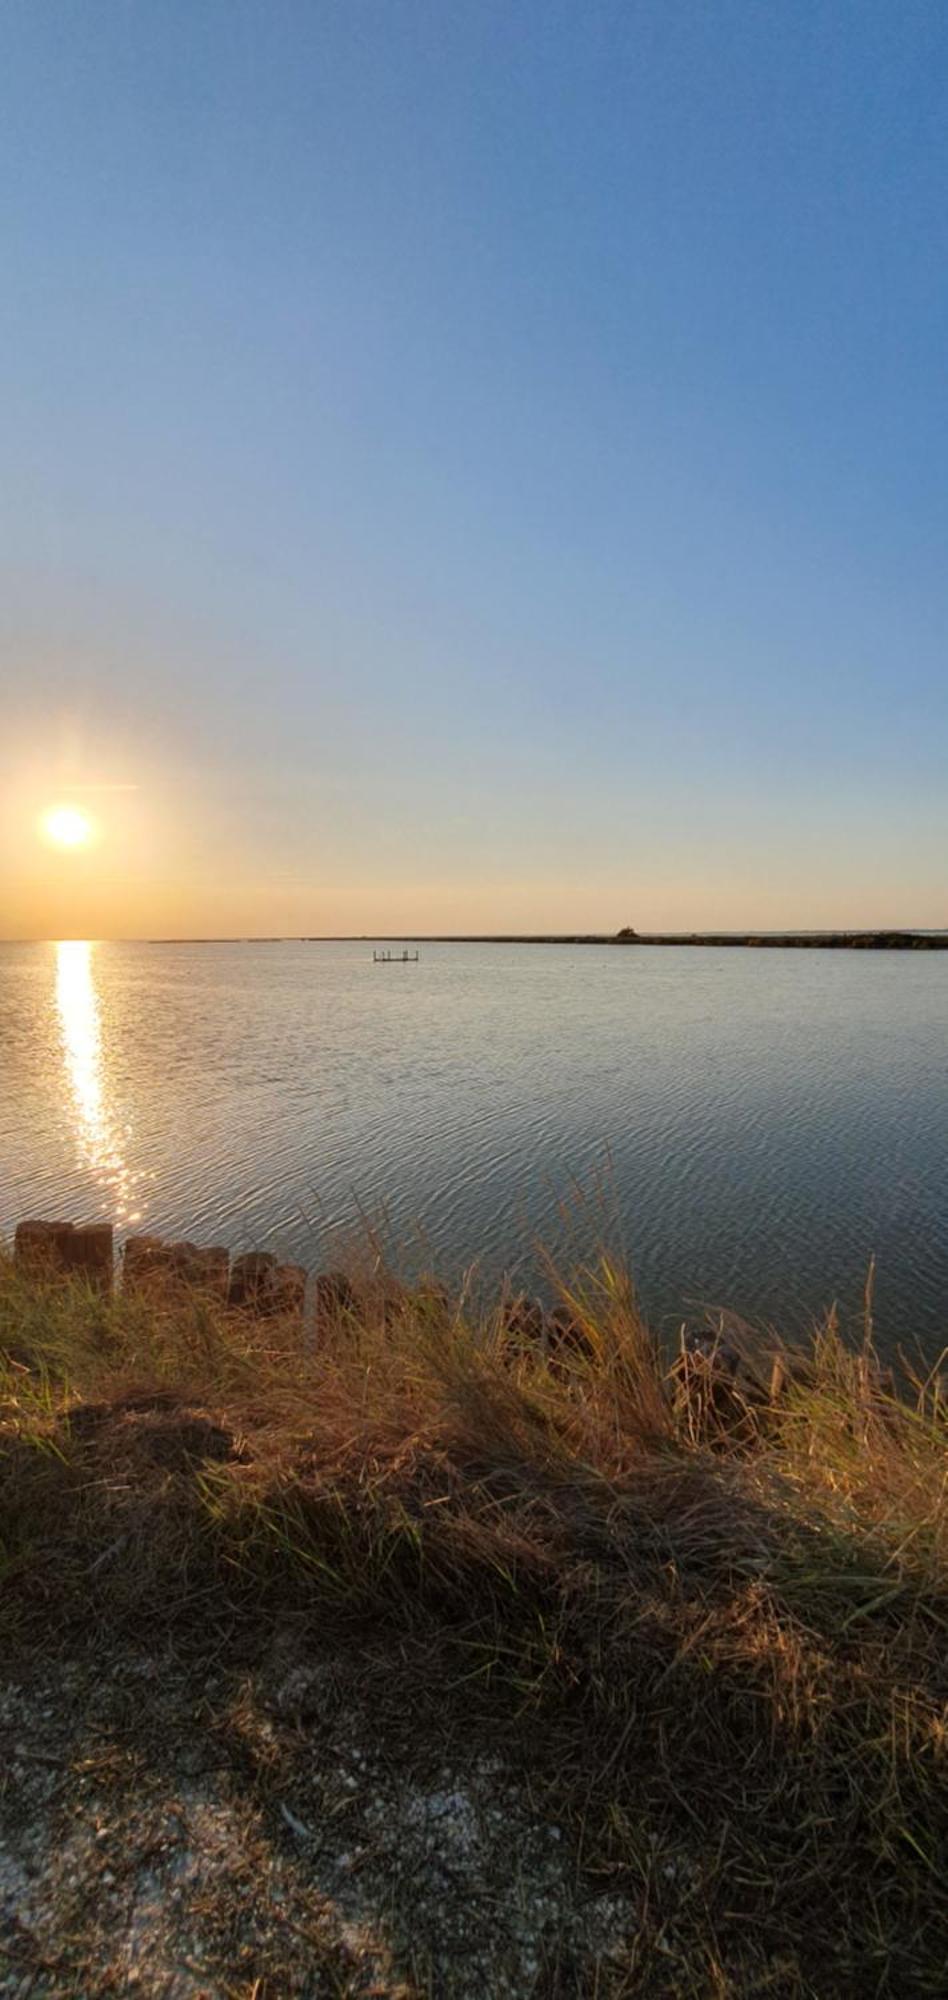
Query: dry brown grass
x=717, y=1634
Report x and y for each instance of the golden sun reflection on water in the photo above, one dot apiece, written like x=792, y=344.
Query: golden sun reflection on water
x=100, y=1142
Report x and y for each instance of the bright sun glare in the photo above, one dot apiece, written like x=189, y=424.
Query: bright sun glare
x=67, y=826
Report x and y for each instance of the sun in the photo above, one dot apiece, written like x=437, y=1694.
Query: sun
x=67, y=827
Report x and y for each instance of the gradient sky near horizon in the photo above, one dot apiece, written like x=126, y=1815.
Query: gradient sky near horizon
x=474, y=466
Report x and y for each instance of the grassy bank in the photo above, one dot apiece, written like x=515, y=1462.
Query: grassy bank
x=703, y=1617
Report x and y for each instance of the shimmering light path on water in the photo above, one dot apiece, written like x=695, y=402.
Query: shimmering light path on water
x=758, y=1124
x=100, y=1143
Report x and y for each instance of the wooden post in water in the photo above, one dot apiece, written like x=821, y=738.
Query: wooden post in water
x=65, y=1249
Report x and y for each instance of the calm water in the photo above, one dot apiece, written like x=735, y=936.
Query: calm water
x=761, y=1122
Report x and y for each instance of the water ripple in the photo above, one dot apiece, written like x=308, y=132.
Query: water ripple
x=768, y=1120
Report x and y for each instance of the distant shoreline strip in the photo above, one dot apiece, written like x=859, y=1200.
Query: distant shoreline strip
x=750, y=940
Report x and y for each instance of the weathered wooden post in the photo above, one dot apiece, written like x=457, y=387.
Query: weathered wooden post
x=51, y=1249
x=151, y=1262
x=288, y=1290
x=250, y=1279
x=258, y=1284
x=39, y=1248
x=91, y=1252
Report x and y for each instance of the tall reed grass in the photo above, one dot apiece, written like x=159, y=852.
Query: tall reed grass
x=709, y=1602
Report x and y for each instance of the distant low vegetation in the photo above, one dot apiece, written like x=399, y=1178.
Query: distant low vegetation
x=702, y=1602
x=799, y=940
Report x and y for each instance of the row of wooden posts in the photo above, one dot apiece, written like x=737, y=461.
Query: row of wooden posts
x=254, y=1282
x=707, y=1377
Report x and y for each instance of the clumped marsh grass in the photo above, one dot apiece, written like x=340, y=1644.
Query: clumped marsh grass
x=707, y=1611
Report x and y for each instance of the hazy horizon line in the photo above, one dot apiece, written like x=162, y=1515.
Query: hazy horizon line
x=496, y=937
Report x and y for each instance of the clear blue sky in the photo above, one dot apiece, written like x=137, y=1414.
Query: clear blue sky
x=474, y=465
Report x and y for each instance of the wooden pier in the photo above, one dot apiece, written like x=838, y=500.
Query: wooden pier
x=395, y=958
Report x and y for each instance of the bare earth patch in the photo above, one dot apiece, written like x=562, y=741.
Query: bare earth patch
x=432, y=1658
x=259, y=1835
